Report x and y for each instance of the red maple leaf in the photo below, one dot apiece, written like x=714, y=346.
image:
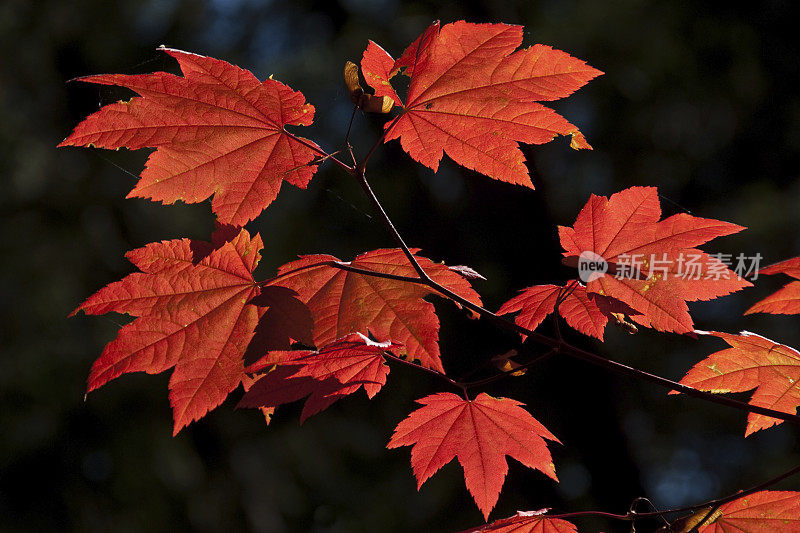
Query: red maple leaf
x=751, y=362
x=343, y=302
x=475, y=98
x=480, y=433
x=785, y=301
x=196, y=312
x=761, y=512
x=667, y=268
x=217, y=131
x=325, y=376
x=586, y=312
x=527, y=522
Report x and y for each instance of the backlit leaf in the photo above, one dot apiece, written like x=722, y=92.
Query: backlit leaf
x=196, y=313
x=751, y=362
x=475, y=97
x=669, y=270
x=480, y=433
x=335, y=371
x=217, y=131
x=343, y=302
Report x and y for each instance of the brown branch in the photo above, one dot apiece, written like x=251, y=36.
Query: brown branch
x=312, y=146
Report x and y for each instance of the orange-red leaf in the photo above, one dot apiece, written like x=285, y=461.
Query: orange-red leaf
x=527, y=522
x=335, y=371
x=195, y=309
x=625, y=230
x=585, y=312
x=475, y=98
x=343, y=302
x=761, y=512
x=785, y=301
x=376, y=65
x=217, y=131
x=751, y=362
x=480, y=433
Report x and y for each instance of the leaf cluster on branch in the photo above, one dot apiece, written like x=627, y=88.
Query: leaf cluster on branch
x=322, y=328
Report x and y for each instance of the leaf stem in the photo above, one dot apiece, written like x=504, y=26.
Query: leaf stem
x=347, y=135
x=313, y=146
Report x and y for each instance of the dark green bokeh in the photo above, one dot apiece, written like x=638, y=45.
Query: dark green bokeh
x=699, y=99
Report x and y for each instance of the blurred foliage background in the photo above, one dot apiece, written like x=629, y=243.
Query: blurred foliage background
x=699, y=99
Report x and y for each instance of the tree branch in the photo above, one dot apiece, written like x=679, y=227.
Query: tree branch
x=633, y=515
x=376, y=205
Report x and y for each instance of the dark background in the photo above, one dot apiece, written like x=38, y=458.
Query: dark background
x=699, y=99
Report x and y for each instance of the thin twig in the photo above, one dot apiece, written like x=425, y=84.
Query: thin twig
x=431, y=371
x=632, y=510
x=711, y=503
x=342, y=265
x=347, y=135
x=312, y=146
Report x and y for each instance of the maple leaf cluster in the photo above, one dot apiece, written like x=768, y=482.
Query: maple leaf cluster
x=628, y=225
x=220, y=132
x=322, y=328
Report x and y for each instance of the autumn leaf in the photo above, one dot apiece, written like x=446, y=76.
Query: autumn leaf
x=475, y=98
x=785, y=301
x=666, y=268
x=335, y=371
x=480, y=433
x=583, y=311
x=343, y=302
x=761, y=512
x=195, y=309
x=376, y=66
x=527, y=522
x=751, y=362
x=217, y=131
